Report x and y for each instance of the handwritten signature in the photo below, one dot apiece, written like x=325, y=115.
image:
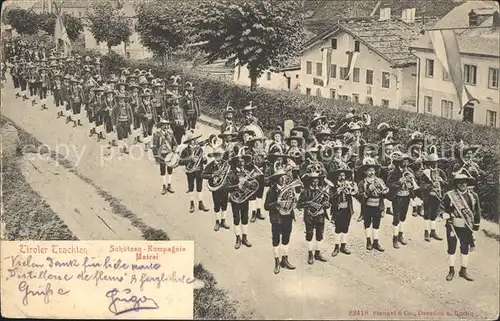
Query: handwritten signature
x=128, y=302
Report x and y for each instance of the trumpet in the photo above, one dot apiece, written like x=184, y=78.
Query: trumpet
x=347, y=187
x=378, y=187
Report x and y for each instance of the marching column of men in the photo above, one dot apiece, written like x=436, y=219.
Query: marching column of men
x=314, y=171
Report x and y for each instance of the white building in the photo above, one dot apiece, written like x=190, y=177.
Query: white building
x=480, y=57
x=384, y=71
x=286, y=78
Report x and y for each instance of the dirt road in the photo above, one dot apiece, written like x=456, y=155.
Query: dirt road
x=407, y=283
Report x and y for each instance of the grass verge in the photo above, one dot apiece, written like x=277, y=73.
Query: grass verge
x=26, y=213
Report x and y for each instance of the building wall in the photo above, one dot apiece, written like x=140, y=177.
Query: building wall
x=402, y=84
x=269, y=79
x=134, y=48
x=440, y=89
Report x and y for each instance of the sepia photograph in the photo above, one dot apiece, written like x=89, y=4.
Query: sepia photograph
x=250, y=159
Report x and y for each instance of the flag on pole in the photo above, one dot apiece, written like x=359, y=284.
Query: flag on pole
x=60, y=33
x=353, y=57
x=447, y=51
x=328, y=65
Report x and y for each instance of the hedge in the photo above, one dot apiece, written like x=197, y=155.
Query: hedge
x=276, y=106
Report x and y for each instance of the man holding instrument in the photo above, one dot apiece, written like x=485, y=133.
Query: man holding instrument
x=462, y=211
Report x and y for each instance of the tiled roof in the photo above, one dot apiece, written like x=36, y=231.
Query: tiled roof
x=390, y=38
x=473, y=41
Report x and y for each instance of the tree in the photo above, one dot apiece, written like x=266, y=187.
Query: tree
x=74, y=25
x=161, y=26
x=109, y=24
x=22, y=21
x=259, y=33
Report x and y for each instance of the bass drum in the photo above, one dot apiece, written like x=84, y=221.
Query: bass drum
x=259, y=133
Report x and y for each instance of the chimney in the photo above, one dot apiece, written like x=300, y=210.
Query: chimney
x=472, y=19
x=496, y=19
x=408, y=15
x=385, y=14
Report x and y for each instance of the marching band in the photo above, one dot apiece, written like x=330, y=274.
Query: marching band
x=316, y=171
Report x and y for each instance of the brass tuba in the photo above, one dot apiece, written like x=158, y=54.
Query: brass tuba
x=321, y=199
x=287, y=199
x=250, y=186
x=194, y=164
x=218, y=178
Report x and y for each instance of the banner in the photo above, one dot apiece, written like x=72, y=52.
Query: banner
x=447, y=51
x=328, y=65
x=60, y=33
x=353, y=57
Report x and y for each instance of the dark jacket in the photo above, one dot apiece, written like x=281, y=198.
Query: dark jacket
x=271, y=206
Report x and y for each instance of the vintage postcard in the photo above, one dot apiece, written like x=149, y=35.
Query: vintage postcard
x=250, y=159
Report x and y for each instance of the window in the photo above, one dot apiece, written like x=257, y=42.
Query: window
x=493, y=78
x=319, y=69
x=343, y=73
x=128, y=55
x=332, y=93
x=334, y=43
x=446, y=76
x=446, y=109
x=385, y=103
x=356, y=46
x=355, y=75
x=79, y=14
x=318, y=92
x=491, y=118
x=344, y=97
x=369, y=77
x=297, y=76
x=308, y=91
x=268, y=75
x=427, y=105
x=369, y=90
x=429, y=68
x=386, y=80
x=333, y=71
x=470, y=72
x=369, y=101
x=355, y=98
x=309, y=67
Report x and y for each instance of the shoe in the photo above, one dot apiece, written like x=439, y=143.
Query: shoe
x=224, y=224
x=125, y=150
x=395, y=242
x=401, y=239
x=164, y=190
x=451, y=274
x=344, y=249
x=68, y=119
x=58, y=115
x=254, y=217
x=310, y=257
x=276, y=265
x=146, y=148
x=259, y=215
x=463, y=274
x=202, y=207
x=169, y=189
x=336, y=250
x=426, y=236
x=286, y=264
x=191, y=208
x=368, y=244
x=388, y=211
x=79, y=123
x=74, y=123
x=99, y=137
x=435, y=236
x=377, y=246
x=360, y=218
x=237, y=245
x=319, y=257
x=91, y=132
x=419, y=210
x=414, y=211
x=217, y=226
x=244, y=241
